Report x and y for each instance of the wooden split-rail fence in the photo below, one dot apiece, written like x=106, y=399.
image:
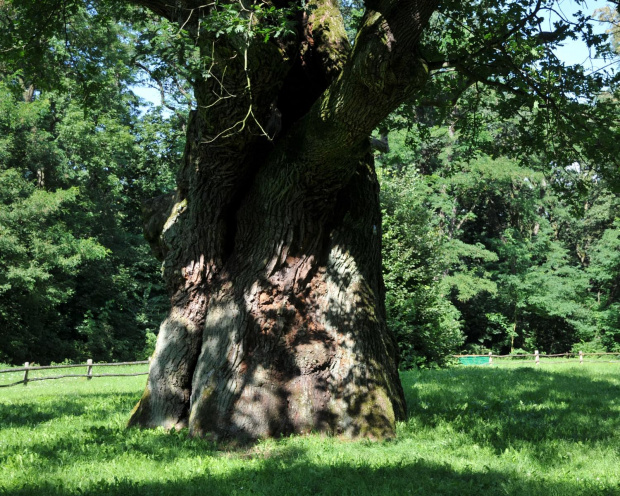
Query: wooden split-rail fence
x=486, y=359
x=89, y=365
x=554, y=358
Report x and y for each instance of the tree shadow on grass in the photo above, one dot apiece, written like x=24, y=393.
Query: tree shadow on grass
x=499, y=408
x=292, y=472
x=97, y=406
x=31, y=414
x=503, y=408
x=109, y=443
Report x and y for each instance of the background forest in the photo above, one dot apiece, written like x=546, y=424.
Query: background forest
x=488, y=244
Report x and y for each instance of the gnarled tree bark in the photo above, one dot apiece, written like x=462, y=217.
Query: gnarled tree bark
x=272, y=249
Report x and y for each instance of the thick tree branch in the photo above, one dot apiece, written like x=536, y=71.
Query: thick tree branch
x=383, y=71
x=164, y=8
x=476, y=76
x=449, y=99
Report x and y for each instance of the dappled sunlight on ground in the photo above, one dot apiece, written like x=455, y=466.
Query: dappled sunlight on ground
x=469, y=431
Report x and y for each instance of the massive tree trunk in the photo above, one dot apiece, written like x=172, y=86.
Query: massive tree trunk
x=272, y=248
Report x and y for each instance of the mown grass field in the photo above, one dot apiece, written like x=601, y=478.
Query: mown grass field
x=550, y=430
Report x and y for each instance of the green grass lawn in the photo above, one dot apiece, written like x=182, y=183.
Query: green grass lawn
x=552, y=430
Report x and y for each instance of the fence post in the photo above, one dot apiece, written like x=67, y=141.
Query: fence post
x=581, y=357
x=536, y=357
x=490, y=358
x=27, y=364
x=89, y=370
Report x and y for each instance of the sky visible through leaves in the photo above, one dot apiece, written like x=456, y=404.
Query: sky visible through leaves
x=572, y=52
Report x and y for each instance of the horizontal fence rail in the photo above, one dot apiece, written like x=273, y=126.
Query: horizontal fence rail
x=486, y=359
x=89, y=365
x=555, y=358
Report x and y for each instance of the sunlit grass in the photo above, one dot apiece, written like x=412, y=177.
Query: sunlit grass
x=471, y=430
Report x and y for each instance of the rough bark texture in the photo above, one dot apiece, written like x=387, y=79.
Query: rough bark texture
x=295, y=337
x=272, y=250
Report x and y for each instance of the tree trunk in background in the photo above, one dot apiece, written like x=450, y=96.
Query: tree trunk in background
x=272, y=251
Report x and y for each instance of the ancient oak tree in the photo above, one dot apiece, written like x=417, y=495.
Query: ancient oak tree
x=271, y=245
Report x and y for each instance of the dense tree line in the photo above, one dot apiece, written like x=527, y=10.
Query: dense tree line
x=496, y=252
x=501, y=223
x=78, y=155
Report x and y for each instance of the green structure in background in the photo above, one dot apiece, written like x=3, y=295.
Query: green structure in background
x=475, y=360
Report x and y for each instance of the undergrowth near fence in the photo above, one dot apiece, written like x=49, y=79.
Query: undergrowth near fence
x=517, y=431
